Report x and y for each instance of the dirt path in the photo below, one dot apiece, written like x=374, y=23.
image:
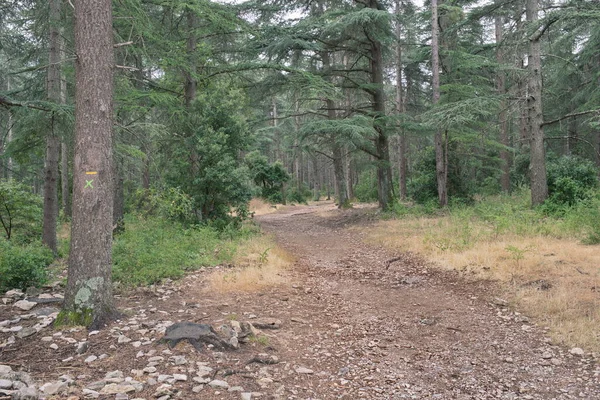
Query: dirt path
x=351, y=329
x=411, y=331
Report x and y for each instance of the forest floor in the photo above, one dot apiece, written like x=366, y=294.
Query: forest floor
x=356, y=322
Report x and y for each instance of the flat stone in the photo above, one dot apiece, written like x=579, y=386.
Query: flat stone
x=14, y=294
x=197, y=389
x=114, y=388
x=82, y=347
x=98, y=385
x=246, y=396
x=302, y=370
x=204, y=371
x=25, y=305
x=180, y=377
x=90, y=394
x=113, y=374
x=218, y=384
x=90, y=359
x=27, y=393
x=576, y=351
x=26, y=332
x=5, y=369
x=52, y=388
x=5, y=384
x=267, y=323
x=123, y=339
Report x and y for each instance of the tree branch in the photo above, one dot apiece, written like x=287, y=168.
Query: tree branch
x=577, y=114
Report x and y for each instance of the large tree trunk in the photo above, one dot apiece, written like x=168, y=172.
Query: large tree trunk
x=400, y=110
x=501, y=87
x=537, y=166
x=52, y=138
x=440, y=156
x=384, y=167
x=88, y=296
x=341, y=190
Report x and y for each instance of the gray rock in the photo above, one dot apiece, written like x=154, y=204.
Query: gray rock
x=302, y=370
x=90, y=394
x=121, y=396
x=123, y=339
x=5, y=370
x=14, y=294
x=218, y=384
x=113, y=374
x=26, y=393
x=576, y=351
x=115, y=388
x=178, y=360
x=95, y=386
x=197, y=389
x=90, y=359
x=246, y=396
x=267, y=323
x=24, y=305
x=5, y=384
x=180, y=377
x=82, y=347
x=195, y=334
x=45, y=311
x=26, y=332
x=52, y=388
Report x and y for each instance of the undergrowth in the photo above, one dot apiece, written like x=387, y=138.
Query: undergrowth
x=152, y=249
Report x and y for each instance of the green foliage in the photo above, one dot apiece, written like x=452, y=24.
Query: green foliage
x=153, y=249
x=270, y=177
x=171, y=203
x=203, y=161
x=20, y=212
x=23, y=266
x=298, y=195
x=366, y=188
x=570, y=180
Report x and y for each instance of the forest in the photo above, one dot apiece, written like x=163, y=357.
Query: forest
x=147, y=117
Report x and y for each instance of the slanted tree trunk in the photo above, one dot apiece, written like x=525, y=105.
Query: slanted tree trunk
x=52, y=138
x=88, y=296
x=440, y=156
x=501, y=87
x=537, y=165
x=9, y=136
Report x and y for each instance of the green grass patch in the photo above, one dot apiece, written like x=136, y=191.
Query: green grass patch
x=22, y=266
x=492, y=216
x=152, y=249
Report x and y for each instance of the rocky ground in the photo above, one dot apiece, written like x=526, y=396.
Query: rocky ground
x=356, y=322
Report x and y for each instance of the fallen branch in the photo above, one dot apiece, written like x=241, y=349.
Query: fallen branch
x=392, y=260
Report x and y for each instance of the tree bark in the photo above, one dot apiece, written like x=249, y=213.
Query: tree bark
x=440, y=157
x=88, y=296
x=400, y=110
x=52, y=138
x=384, y=167
x=537, y=166
x=501, y=87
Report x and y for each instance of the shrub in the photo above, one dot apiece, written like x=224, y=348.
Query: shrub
x=171, y=203
x=20, y=212
x=366, y=188
x=295, y=195
x=153, y=249
x=23, y=266
x=570, y=179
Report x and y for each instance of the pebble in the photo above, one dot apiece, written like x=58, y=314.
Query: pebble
x=302, y=370
x=90, y=359
x=24, y=305
x=218, y=384
x=576, y=351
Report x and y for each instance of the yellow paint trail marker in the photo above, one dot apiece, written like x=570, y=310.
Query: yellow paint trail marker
x=91, y=173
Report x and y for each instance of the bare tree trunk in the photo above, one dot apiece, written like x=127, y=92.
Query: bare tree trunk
x=440, y=157
x=537, y=166
x=384, y=167
x=88, y=296
x=317, y=179
x=64, y=156
x=52, y=138
x=501, y=87
x=9, y=136
x=400, y=109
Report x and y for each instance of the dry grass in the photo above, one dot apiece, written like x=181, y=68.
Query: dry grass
x=259, y=263
x=555, y=281
x=261, y=207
